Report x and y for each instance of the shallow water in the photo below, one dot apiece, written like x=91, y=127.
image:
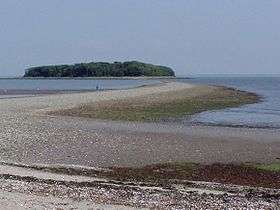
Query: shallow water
x=69, y=84
x=265, y=114
x=15, y=88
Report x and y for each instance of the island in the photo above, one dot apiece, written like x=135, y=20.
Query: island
x=101, y=69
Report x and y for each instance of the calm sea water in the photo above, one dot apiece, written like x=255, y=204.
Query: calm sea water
x=69, y=84
x=264, y=115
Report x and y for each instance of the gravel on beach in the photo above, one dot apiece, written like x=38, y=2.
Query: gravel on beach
x=29, y=136
x=47, y=194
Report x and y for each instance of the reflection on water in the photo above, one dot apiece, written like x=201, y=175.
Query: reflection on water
x=264, y=114
x=69, y=84
x=11, y=88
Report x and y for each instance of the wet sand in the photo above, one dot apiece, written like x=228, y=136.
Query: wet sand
x=29, y=135
x=104, y=144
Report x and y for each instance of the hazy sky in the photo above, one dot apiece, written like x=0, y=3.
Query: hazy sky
x=191, y=36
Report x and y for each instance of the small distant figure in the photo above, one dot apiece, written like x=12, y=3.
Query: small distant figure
x=97, y=87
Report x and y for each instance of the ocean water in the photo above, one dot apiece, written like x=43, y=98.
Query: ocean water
x=69, y=84
x=265, y=114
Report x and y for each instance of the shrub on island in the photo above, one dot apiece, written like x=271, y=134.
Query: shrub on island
x=100, y=69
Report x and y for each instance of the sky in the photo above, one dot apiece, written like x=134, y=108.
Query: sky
x=191, y=36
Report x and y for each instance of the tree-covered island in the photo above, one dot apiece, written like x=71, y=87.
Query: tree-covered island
x=100, y=69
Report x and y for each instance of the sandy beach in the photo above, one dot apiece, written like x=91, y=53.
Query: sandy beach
x=30, y=136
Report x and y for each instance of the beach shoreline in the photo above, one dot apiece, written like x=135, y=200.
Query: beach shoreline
x=32, y=114
x=163, y=105
x=32, y=137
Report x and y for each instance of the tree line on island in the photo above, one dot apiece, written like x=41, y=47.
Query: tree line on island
x=100, y=69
